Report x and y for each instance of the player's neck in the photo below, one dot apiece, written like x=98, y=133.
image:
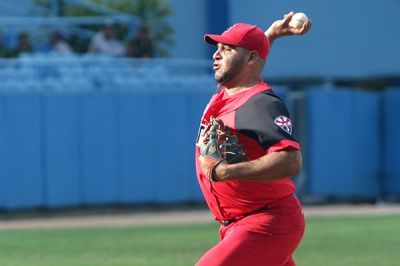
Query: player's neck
x=241, y=86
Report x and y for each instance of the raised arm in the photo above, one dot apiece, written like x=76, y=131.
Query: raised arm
x=281, y=28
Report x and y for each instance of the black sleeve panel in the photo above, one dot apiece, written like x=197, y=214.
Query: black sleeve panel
x=255, y=119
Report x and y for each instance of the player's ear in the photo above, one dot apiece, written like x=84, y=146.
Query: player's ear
x=253, y=56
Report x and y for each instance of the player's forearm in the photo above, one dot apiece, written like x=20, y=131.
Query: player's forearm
x=271, y=167
x=271, y=36
x=276, y=30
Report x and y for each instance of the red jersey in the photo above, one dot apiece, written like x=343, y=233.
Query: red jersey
x=262, y=123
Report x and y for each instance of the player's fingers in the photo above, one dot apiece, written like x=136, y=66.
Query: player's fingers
x=298, y=31
x=291, y=13
x=287, y=18
x=306, y=27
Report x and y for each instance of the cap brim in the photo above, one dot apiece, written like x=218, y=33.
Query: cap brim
x=214, y=39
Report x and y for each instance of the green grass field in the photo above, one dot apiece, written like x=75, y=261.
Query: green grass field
x=364, y=241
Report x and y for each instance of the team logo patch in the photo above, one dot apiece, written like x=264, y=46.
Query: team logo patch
x=285, y=123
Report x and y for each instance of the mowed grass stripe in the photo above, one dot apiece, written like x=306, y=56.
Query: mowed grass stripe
x=328, y=241
x=349, y=241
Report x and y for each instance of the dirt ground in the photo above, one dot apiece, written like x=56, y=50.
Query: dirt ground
x=173, y=217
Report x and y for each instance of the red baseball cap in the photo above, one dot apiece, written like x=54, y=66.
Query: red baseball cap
x=243, y=35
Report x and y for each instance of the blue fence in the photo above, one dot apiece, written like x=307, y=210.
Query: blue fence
x=353, y=143
x=391, y=151
x=21, y=168
x=98, y=148
x=74, y=149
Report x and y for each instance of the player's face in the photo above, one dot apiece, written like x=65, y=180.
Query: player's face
x=228, y=64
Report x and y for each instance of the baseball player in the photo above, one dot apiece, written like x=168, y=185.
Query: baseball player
x=246, y=154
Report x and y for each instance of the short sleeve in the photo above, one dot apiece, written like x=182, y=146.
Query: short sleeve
x=265, y=118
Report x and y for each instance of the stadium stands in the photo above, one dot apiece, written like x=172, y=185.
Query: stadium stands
x=49, y=73
x=8, y=8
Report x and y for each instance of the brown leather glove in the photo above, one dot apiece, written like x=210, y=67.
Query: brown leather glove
x=218, y=145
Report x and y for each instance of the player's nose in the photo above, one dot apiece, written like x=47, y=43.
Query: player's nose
x=217, y=55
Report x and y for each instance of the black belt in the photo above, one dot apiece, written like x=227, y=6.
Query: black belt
x=228, y=222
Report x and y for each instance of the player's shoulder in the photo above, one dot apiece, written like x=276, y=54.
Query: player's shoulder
x=264, y=99
x=263, y=105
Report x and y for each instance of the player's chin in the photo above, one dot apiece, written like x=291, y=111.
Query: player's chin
x=219, y=76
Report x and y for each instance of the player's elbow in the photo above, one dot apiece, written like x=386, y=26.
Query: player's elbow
x=295, y=162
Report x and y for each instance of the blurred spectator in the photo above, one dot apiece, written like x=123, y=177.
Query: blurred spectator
x=141, y=45
x=24, y=45
x=58, y=45
x=105, y=42
x=3, y=48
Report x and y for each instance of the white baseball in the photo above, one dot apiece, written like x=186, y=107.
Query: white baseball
x=298, y=20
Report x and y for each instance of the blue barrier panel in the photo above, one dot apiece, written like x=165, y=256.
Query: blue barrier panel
x=343, y=149
x=21, y=182
x=62, y=150
x=324, y=143
x=153, y=125
x=98, y=149
x=171, y=124
x=196, y=103
x=391, y=117
x=367, y=143
x=138, y=139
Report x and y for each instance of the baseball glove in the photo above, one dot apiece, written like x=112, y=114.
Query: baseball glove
x=217, y=145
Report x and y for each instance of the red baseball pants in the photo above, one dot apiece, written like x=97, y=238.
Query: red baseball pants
x=268, y=238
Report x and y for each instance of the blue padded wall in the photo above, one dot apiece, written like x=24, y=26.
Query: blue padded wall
x=98, y=148
x=61, y=150
x=367, y=143
x=344, y=154
x=21, y=175
x=138, y=139
x=106, y=148
x=391, y=117
x=170, y=149
x=151, y=127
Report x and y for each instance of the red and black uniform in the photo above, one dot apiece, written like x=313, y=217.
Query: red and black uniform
x=262, y=221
